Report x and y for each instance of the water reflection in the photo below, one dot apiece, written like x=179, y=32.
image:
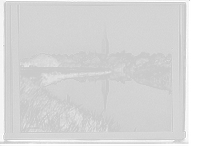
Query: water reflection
x=118, y=96
x=117, y=76
x=105, y=89
x=121, y=76
x=80, y=78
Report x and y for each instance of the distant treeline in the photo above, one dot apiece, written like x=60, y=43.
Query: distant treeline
x=119, y=62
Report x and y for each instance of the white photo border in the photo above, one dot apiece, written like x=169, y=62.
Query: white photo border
x=12, y=76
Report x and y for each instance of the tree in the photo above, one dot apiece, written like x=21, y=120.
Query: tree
x=142, y=58
x=153, y=57
x=79, y=56
x=44, y=60
x=88, y=61
x=26, y=62
x=62, y=58
x=95, y=60
x=161, y=59
x=118, y=54
x=82, y=55
x=169, y=57
x=119, y=67
x=69, y=60
x=112, y=59
x=123, y=54
x=103, y=56
x=103, y=64
x=132, y=66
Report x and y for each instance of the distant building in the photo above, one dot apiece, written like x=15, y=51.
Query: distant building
x=90, y=56
x=105, y=43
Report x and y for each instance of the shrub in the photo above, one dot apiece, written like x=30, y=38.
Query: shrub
x=119, y=67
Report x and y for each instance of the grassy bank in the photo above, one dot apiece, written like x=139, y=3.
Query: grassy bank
x=158, y=77
x=42, y=112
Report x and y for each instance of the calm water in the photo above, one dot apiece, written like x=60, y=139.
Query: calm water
x=132, y=106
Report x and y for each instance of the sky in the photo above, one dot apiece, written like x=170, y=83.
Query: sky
x=134, y=28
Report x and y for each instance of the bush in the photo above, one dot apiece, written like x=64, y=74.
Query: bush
x=44, y=60
x=119, y=67
x=132, y=67
x=147, y=64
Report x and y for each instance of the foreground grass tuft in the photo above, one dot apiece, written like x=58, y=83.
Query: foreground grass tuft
x=42, y=112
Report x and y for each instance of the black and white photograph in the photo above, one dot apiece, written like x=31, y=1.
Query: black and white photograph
x=105, y=71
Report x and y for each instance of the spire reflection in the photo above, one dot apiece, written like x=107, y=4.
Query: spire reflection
x=105, y=89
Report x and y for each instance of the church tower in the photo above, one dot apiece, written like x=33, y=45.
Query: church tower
x=105, y=43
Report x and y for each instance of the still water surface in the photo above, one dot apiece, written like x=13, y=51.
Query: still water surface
x=132, y=106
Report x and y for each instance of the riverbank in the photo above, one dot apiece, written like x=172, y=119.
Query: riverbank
x=158, y=77
x=36, y=71
x=55, y=76
x=42, y=112
x=49, y=75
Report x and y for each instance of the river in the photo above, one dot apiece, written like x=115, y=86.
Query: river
x=131, y=105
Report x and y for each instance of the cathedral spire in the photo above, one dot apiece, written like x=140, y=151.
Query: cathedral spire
x=105, y=43
x=105, y=33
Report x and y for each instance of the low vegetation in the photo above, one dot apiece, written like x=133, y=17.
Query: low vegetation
x=119, y=61
x=42, y=112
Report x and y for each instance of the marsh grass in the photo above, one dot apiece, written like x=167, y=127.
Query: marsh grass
x=42, y=112
x=159, y=77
